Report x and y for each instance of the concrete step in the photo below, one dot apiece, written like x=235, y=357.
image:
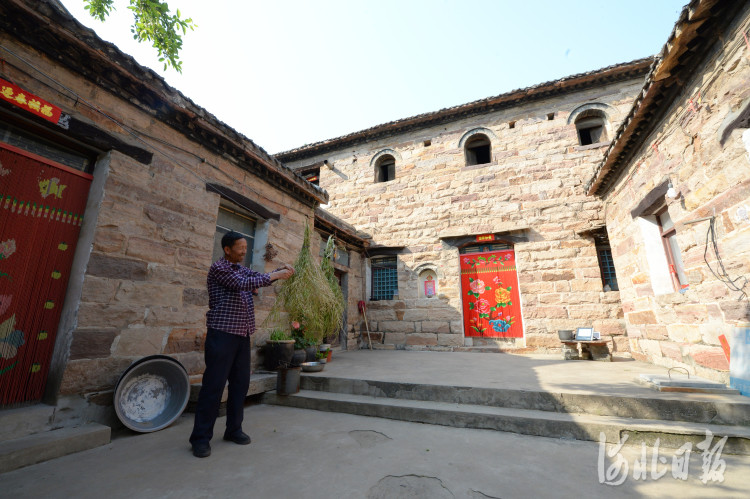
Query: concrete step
x=32, y=449
x=22, y=421
x=685, y=407
x=670, y=434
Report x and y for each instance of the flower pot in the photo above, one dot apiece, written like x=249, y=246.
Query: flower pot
x=287, y=380
x=330, y=355
x=298, y=357
x=278, y=353
x=324, y=346
x=311, y=351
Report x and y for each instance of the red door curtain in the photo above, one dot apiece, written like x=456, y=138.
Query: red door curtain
x=41, y=210
x=491, y=303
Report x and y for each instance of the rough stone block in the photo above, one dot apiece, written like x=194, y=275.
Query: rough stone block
x=195, y=296
x=140, y=342
x=395, y=338
x=645, y=317
x=684, y=333
x=151, y=251
x=451, y=340
x=436, y=327
x=421, y=339
x=671, y=350
x=183, y=340
x=149, y=294
x=112, y=267
x=92, y=344
x=709, y=356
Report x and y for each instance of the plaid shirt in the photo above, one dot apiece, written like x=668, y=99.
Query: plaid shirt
x=230, y=297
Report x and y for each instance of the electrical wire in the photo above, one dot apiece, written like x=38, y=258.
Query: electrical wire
x=721, y=273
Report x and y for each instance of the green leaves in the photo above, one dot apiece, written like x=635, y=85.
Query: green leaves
x=153, y=23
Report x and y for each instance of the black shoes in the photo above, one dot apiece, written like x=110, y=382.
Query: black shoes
x=201, y=450
x=240, y=438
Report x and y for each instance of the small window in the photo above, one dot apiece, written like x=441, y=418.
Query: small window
x=672, y=250
x=385, y=169
x=478, y=150
x=313, y=176
x=591, y=128
x=234, y=218
x=384, y=278
x=606, y=264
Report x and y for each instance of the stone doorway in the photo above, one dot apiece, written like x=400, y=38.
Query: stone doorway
x=489, y=291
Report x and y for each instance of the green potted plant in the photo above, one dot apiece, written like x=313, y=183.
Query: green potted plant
x=278, y=350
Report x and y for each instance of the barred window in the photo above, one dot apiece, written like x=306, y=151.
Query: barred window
x=606, y=264
x=607, y=267
x=384, y=278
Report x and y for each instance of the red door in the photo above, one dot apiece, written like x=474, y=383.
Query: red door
x=491, y=303
x=41, y=210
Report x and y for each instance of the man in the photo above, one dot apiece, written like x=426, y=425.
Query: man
x=230, y=321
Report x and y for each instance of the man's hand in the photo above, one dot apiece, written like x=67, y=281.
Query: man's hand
x=284, y=273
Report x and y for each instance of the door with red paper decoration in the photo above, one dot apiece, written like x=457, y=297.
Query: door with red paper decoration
x=41, y=211
x=489, y=288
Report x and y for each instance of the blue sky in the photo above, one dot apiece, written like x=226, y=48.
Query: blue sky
x=290, y=72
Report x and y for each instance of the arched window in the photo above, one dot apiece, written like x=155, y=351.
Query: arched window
x=478, y=150
x=591, y=126
x=385, y=168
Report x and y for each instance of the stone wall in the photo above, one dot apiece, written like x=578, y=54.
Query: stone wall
x=144, y=276
x=532, y=188
x=712, y=179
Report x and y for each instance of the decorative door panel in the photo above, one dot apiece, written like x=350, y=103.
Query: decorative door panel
x=41, y=211
x=489, y=287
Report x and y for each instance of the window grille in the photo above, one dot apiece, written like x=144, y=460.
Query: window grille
x=607, y=267
x=384, y=278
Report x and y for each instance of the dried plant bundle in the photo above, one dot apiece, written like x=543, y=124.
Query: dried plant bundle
x=306, y=297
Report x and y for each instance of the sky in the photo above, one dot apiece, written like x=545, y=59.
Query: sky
x=286, y=73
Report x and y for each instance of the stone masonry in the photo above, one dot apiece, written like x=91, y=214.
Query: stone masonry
x=710, y=170
x=533, y=188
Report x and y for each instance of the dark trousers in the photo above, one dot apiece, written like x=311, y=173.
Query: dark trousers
x=227, y=358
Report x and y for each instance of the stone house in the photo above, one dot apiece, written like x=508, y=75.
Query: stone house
x=482, y=234
x=675, y=184
x=114, y=192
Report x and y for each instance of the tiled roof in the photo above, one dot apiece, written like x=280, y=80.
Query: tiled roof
x=697, y=29
x=77, y=47
x=581, y=81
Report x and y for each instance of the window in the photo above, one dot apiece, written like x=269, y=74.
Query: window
x=481, y=248
x=385, y=169
x=606, y=264
x=672, y=250
x=313, y=176
x=234, y=218
x=384, y=278
x=591, y=126
x=478, y=150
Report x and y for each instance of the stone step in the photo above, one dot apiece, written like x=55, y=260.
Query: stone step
x=686, y=407
x=32, y=449
x=259, y=383
x=670, y=434
x=22, y=421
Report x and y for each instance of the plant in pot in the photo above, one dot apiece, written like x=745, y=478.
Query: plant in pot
x=278, y=350
x=300, y=344
x=307, y=299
